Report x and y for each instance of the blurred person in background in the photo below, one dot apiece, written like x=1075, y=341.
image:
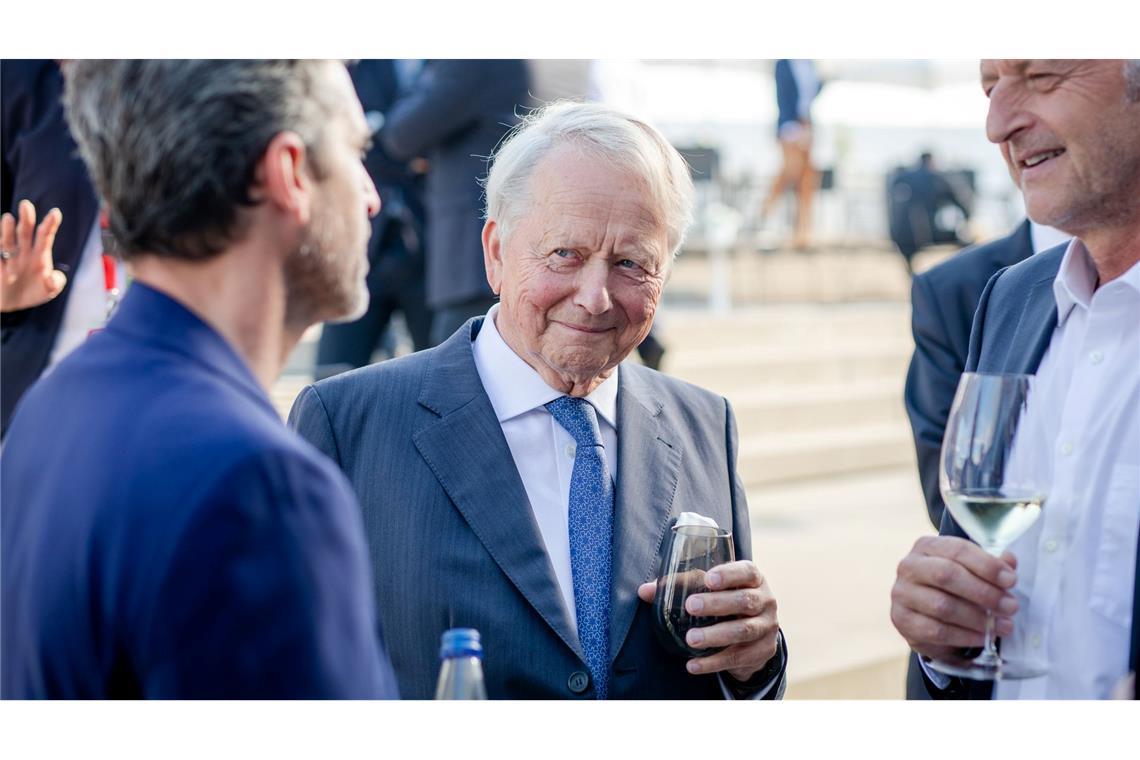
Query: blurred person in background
x=1067, y=131
x=164, y=535
x=397, y=246
x=797, y=85
x=453, y=115
x=916, y=198
x=53, y=290
x=523, y=479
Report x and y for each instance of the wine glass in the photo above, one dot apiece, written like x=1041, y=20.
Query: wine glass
x=693, y=550
x=993, y=486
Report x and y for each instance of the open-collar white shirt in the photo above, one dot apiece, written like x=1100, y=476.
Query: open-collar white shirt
x=1076, y=565
x=542, y=450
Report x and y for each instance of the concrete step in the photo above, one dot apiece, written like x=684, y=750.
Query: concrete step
x=808, y=454
x=785, y=325
x=829, y=549
x=726, y=369
x=770, y=411
x=827, y=274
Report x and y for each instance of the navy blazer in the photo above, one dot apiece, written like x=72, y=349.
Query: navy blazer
x=1012, y=328
x=455, y=116
x=454, y=541
x=39, y=161
x=165, y=535
x=943, y=300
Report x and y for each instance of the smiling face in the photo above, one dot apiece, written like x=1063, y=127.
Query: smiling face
x=1070, y=138
x=581, y=272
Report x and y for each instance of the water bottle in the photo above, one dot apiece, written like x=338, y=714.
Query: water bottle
x=461, y=665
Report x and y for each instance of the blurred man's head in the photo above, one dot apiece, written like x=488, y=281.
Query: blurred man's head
x=585, y=209
x=193, y=158
x=1070, y=134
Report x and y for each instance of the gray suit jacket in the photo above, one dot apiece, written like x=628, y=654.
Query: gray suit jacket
x=454, y=541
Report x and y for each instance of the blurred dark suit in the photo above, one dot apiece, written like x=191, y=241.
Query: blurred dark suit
x=943, y=301
x=916, y=196
x=455, y=116
x=39, y=161
x=396, y=248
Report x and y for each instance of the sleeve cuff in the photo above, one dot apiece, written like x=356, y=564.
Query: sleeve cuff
x=767, y=683
x=940, y=680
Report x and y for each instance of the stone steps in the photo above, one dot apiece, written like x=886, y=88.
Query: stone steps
x=798, y=455
x=727, y=369
x=814, y=407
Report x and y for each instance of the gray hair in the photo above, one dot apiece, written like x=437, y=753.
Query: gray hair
x=172, y=145
x=1132, y=80
x=622, y=140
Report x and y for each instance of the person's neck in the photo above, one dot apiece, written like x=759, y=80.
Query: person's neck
x=1113, y=250
x=238, y=293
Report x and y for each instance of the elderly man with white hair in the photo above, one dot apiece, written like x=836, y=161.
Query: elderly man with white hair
x=520, y=479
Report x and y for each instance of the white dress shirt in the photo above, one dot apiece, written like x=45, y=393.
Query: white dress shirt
x=1076, y=565
x=542, y=449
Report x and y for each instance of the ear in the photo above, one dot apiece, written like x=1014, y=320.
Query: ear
x=493, y=255
x=283, y=178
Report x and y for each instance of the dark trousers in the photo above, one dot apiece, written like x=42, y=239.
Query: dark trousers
x=451, y=317
x=395, y=283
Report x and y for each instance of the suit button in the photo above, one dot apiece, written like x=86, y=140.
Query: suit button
x=578, y=682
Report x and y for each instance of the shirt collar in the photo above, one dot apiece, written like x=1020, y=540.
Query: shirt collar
x=1076, y=280
x=515, y=388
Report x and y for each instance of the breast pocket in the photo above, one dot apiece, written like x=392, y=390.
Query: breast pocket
x=1115, y=570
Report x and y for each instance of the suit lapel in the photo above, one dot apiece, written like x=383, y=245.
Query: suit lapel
x=1034, y=329
x=468, y=453
x=649, y=461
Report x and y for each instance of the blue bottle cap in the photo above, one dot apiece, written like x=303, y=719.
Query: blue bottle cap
x=460, y=642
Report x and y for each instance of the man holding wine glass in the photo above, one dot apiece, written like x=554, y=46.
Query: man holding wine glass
x=526, y=482
x=1052, y=459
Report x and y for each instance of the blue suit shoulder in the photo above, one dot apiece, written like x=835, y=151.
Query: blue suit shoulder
x=1032, y=270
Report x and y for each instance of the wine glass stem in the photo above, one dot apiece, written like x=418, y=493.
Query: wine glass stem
x=989, y=650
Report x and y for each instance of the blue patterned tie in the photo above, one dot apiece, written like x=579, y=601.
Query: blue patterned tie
x=591, y=528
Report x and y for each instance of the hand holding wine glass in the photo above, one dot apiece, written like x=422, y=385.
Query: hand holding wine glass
x=710, y=607
x=948, y=590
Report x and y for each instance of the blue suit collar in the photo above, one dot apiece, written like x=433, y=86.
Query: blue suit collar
x=149, y=316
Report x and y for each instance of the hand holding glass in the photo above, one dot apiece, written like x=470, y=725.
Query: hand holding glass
x=993, y=487
x=693, y=550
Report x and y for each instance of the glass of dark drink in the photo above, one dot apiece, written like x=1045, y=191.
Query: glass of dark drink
x=692, y=551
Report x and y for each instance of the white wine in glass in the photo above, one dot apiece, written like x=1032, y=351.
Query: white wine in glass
x=993, y=487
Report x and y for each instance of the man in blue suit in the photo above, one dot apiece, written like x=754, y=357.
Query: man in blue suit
x=1069, y=315
x=164, y=535
x=516, y=480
